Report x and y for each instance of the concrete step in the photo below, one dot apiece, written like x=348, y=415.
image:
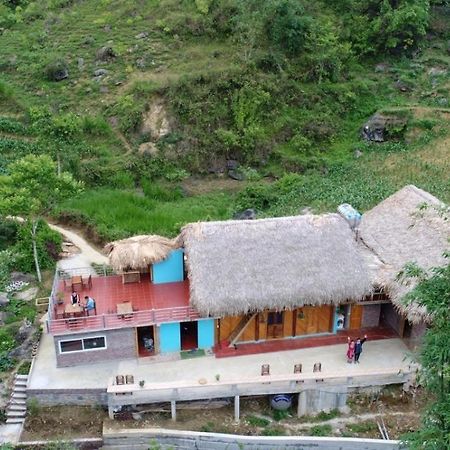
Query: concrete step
x=20, y=388
x=15, y=420
x=13, y=414
x=19, y=395
x=18, y=401
x=17, y=407
x=21, y=377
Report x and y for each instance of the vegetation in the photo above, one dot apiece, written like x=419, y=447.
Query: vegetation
x=434, y=357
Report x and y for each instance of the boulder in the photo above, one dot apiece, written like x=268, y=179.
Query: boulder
x=100, y=72
x=402, y=86
x=436, y=72
x=248, y=214
x=80, y=64
x=357, y=153
x=148, y=148
x=4, y=300
x=20, y=276
x=235, y=175
x=27, y=294
x=378, y=127
x=232, y=164
x=24, y=332
x=142, y=35
x=105, y=54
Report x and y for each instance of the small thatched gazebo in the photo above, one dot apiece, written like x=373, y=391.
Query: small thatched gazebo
x=138, y=252
x=410, y=226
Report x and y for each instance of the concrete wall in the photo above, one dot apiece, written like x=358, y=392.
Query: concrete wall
x=169, y=270
x=120, y=344
x=169, y=337
x=206, y=333
x=371, y=315
x=390, y=316
x=81, y=397
x=133, y=439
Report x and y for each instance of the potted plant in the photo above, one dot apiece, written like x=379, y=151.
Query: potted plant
x=142, y=383
x=60, y=298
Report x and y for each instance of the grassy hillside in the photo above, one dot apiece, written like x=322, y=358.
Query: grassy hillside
x=158, y=96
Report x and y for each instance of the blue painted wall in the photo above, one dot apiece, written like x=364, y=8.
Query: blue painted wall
x=169, y=270
x=206, y=333
x=169, y=337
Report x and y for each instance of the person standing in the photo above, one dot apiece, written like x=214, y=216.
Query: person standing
x=358, y=347
x=350, y=350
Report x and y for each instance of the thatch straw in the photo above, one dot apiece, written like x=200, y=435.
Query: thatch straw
x=251, y=265
x=138, y=252
x=407, y=227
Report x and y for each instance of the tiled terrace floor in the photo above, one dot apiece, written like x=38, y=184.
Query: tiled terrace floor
x=278, y=345
x=109, y=291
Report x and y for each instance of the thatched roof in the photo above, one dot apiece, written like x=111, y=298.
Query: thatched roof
x=239, y=266
x=409, y=226
x=138, y=252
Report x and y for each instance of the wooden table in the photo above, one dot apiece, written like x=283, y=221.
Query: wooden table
x=124, y=308
x=71, y=310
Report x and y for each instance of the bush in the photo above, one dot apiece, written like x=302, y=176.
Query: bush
x=8, y=233
x=320, y=430
x=33, y=407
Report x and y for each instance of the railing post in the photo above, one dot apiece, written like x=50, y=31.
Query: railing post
x=47, y=326
x=103, y=321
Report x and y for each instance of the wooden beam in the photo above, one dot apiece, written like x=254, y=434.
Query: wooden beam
x=240, y=328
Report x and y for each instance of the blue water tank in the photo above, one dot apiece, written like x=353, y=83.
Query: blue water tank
x=350, y=214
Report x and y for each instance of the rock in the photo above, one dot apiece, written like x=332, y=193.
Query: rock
x=2, y=317
x=27, y=295
x=104, y=89
x=140, y=63
x=306, y=211
x=20, y=276
x=100, y=72
x=24, y=331
x=402, y=86
x=142, y=35
x=105, y=54
x=88, y=40
x=107, y=28
x=148, y=148
x=155, y=122
x=248, y=214
x=80, y=63
x=216, y=170
x=4, y=300
x=232, y=164
x=442, y=101
x=113, y=121
x=357, y=153
x=382, y=67
x=235, y=175
x=377, y=127
x=436, y=72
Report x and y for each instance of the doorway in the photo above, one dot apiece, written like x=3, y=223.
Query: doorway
x=146, y=341
x=189, y=335
x=275, y=325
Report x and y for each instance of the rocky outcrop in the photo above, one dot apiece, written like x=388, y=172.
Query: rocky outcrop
x=155, y=122
x=381, y=127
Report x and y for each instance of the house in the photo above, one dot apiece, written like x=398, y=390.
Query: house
x=221, y=284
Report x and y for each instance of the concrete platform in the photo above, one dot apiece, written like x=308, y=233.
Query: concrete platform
x=383, y=354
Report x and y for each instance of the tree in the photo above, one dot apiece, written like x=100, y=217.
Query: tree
x=434, y=293
x=31, y=189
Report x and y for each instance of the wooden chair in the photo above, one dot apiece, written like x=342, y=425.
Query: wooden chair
x=88, y=283
x=297, y=368
x=265, y=369
x=317, y=367
x=120, y=379
x=129, y=379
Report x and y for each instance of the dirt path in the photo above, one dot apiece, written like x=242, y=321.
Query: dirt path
x=88, y=254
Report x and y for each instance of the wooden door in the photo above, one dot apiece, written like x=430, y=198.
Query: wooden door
x=356, y=317
x=324, y=319
x=275, y=325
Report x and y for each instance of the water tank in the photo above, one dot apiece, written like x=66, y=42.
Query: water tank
x=350, y=214
x=281, y=402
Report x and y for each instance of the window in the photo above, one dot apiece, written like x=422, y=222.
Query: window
x=79, y=345
x=275, y=318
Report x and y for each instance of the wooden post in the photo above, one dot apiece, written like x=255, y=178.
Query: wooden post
x=110, y=412
x=236, y=408
x=173, y=410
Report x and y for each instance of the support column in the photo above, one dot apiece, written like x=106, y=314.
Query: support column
x=173, y=410
x=302, y=405
x=110, y=412
x=236, y=408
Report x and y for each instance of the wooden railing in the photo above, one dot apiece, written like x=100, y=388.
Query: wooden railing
x=111, y=321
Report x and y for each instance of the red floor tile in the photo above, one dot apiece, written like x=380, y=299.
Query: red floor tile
x=109, y=291
x=303, y=342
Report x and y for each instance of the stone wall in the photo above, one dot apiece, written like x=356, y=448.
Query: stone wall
x=80, y=397
x=390, y=316
x=137, y=439
x=120, y=344
x=371, y=315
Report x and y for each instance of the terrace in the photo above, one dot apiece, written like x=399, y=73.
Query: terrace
x=118, y=304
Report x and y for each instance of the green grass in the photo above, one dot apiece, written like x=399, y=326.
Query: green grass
x=117, y=214
x=363, y=427
x=257, y=421
x=320, y=430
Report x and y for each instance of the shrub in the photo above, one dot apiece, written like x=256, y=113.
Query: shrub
x=257, y=421
x=320, y=430
x=33, y=407
x=8, y=233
